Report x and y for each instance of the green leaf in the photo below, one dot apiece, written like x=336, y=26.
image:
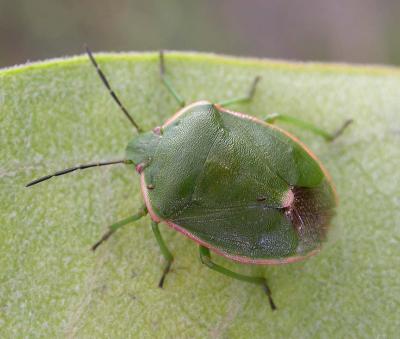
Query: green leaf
x=57, y=114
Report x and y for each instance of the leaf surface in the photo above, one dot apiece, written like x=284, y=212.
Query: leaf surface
x=57, y=114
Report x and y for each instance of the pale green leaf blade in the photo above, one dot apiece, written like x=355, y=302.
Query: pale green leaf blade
x=57, y=114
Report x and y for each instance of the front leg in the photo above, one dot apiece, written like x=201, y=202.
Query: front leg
x=114, y=227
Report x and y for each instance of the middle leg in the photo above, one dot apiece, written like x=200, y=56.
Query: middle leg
x=245, y=98
x=205, y=258
x=164, y=250
x=167, y=83
x=308, y=126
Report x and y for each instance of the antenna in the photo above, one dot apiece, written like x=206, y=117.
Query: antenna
x=110, y=90
x=79, y=167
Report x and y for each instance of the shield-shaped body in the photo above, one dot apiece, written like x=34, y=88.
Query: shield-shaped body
x=245, y=189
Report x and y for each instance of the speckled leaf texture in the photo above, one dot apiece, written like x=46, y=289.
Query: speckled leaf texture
x=57, y=114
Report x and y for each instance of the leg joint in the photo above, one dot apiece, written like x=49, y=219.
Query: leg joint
x=206, y=261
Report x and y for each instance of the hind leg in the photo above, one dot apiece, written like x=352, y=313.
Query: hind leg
x=205, y=258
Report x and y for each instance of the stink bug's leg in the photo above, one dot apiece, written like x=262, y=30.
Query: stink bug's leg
x=308, y=126
x=164, y=250
x=167, y=83
x=112, y=228
x=205, y=258
x=245, y=98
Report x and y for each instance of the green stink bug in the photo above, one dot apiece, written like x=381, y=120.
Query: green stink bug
x=236, y=185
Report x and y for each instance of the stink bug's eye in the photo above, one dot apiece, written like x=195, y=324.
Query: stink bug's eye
x=158, y=130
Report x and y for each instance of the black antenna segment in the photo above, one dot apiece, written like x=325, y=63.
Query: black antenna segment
x=110, y=90
x=79, y=167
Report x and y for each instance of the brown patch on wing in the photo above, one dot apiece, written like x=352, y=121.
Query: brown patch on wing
x=310, y=213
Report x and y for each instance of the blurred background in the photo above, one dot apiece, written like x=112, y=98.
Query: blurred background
x=359, y=31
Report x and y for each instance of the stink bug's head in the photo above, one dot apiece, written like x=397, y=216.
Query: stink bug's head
x=141, y=148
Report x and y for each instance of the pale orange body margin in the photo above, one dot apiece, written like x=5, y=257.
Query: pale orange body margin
x=180, y=229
